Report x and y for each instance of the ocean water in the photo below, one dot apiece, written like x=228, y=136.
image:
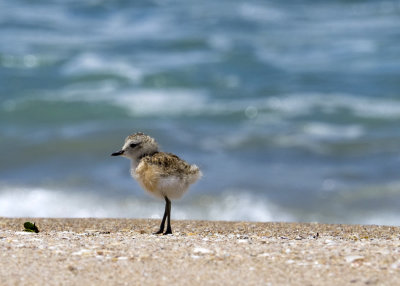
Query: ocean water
x=290, y=108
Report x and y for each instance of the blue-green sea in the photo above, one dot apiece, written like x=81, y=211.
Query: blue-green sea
x=290, y=108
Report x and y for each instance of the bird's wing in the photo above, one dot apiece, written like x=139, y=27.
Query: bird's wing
x=166, y=164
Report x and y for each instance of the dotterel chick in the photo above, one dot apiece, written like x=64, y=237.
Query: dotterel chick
x=163, y=175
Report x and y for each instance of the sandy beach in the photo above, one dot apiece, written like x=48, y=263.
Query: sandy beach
x=125, y=252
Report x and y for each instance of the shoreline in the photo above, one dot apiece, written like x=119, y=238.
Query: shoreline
x=124, y=252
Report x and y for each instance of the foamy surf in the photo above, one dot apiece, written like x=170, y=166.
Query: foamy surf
x=231, y=205
x=42, y=202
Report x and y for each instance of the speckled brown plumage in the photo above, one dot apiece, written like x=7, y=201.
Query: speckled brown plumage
x=168, y=164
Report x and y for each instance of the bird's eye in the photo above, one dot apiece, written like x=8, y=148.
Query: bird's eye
x=133, y=145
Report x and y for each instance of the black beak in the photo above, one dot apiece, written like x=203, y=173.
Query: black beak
x=119, y=153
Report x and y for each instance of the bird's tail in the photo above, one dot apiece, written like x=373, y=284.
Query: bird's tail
x=195, y=174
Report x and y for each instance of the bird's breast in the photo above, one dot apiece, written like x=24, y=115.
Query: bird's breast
x=164, y=182
x=147, y=178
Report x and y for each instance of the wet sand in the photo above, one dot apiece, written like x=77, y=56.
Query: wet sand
x=125, y=252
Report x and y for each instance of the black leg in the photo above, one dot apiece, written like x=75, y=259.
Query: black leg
x=168, y=208
x=164, y=217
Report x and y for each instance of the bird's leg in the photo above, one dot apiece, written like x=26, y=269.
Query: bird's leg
x=164, y=217
x=168, y=208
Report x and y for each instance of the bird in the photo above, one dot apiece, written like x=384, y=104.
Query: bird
x=163, y=175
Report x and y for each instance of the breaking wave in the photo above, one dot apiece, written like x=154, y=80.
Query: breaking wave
x=41, y=202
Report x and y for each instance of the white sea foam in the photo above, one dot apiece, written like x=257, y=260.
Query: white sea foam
x=162, y=102
x=331, y=131
x=170, y=101
x=229, y=206
x=41, y=202
x=140, y=102
x=195, y=102
x=134, y=68
x=303, y=104
x=234, y=206
x=94, y=64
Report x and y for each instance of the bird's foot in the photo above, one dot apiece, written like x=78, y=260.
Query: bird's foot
x=168, y=231
x=158, y=232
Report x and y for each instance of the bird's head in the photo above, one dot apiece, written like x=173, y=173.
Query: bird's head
x=136, y=146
